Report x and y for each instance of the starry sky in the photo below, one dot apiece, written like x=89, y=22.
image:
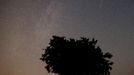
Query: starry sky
x=27, y=25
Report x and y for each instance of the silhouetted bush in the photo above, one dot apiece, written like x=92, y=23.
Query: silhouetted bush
x=76, y=57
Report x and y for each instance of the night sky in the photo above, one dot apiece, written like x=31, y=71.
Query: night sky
x=27, y=25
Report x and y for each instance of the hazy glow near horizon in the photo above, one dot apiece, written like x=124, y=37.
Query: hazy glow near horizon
x=27, y=25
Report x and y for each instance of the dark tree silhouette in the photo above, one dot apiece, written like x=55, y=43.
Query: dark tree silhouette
x=76, y=57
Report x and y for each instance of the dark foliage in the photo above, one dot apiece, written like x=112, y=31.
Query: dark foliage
x=76, y=57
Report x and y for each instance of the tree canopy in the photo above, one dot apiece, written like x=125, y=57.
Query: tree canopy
x=76, y=57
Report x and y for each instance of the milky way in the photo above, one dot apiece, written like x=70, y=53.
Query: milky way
x=101, y=3
x=27, y=25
